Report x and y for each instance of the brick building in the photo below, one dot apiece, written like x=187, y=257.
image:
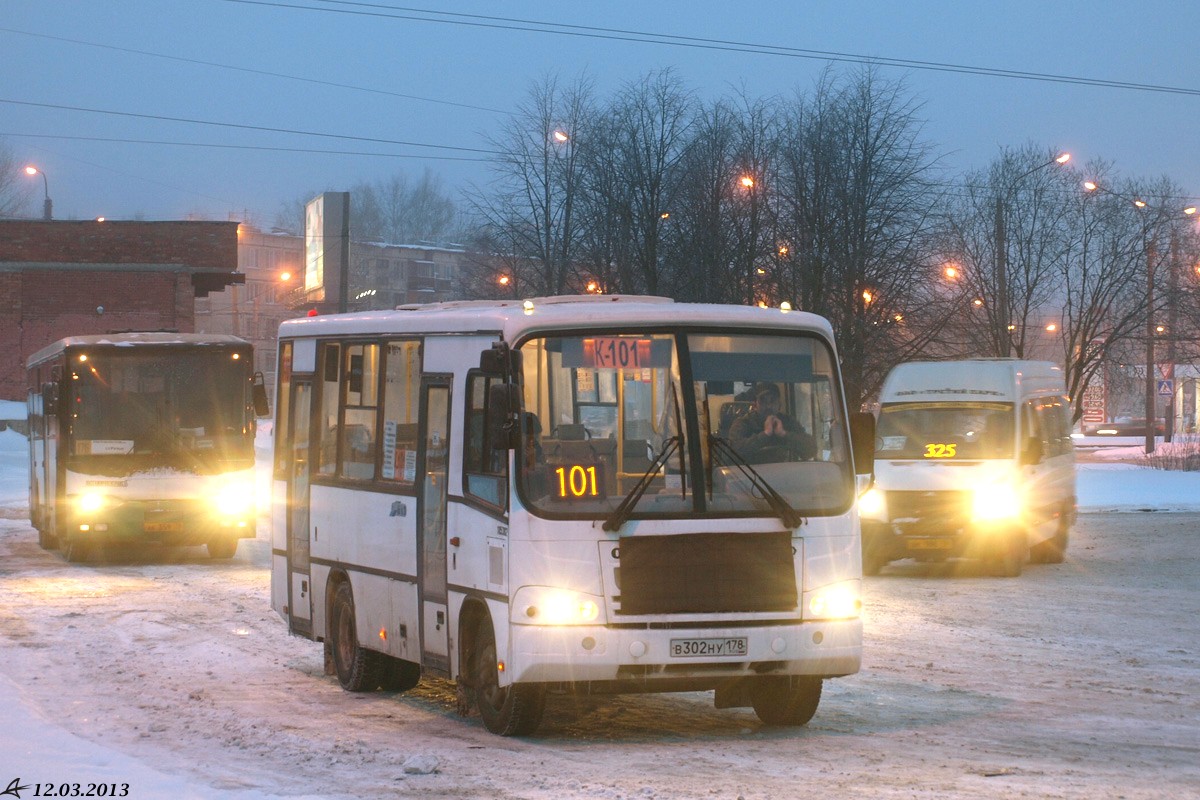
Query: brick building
x=64, y=278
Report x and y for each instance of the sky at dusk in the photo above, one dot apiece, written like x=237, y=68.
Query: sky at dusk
x=421, y=90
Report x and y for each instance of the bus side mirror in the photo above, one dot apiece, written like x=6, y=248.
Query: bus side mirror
x=49, y=399
x=862, y=442
x=258, y=394
x=503, y=402
x=1033, y=452
x=500, y=359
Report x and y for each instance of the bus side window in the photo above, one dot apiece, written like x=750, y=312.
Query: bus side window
x=361, y=411
x=331, y=360
x=402, y=381
x=485, y=468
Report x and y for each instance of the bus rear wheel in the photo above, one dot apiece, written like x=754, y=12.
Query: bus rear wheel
x=358, y=669
x=785, y=699
x=514, y=710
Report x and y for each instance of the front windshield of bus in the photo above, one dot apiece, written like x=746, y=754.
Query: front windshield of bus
x=952, y=431
x=179, y=408
x=610, y=421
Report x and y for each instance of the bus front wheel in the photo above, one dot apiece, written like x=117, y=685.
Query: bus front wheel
x=358, y=669
x=76, y=549
x=514, y=710
x=785, y=699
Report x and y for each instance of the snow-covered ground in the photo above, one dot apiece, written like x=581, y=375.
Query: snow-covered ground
x=173, y=675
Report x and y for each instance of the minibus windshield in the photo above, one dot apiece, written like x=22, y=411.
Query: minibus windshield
x=945, y=431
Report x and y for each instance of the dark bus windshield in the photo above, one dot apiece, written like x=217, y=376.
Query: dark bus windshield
x=179, y=408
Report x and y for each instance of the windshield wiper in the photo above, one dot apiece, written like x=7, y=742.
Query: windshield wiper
x=783, y=509
x=622, y=512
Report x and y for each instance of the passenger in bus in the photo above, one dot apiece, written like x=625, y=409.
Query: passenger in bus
x=766, y=435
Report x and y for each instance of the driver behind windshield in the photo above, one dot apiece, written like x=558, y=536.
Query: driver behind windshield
x=766, y=435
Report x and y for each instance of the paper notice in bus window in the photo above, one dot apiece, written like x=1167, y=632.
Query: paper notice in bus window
x=586, y=380
x=105, y=447
x=389, y=450
x=410, y=466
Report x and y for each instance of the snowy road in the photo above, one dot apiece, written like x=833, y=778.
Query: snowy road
x=1080, y=680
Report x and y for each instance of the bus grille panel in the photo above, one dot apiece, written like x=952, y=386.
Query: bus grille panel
x=707, y=573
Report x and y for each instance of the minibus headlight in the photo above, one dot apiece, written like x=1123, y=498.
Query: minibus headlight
x=545, y=605
x=872, y=504
x=998, y=501
x=90, y=502
x=836, y=601
x=235, y=500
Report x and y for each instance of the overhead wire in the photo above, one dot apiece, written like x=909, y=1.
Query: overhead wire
x=703, y=43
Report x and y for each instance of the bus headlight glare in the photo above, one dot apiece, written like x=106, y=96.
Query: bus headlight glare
x=91, y=501
x=838, y=601
x=543, y=605
x=871, y=505
x=995, y=502
x=235, y=500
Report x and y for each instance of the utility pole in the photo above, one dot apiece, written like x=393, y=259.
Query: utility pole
x=1172, y=321
x=1151, y=414
x=1005, y=343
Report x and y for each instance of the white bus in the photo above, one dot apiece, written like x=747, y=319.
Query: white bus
x=562, y=495
x=143, y=437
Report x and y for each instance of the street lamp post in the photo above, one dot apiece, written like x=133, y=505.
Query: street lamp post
x=1004, y=329
x=1150, y=240
x=47, y=206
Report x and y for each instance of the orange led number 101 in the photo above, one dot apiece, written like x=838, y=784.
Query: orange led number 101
x=577, y=481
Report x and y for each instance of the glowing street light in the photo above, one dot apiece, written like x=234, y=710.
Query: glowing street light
x=951, y=272
x=47, y=206
x=503, y=280
x=747, y=181
x=561, y=136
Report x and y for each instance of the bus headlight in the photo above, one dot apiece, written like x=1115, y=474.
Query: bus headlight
x=235, y=500
x=836, y=601
x=995, y=502
x=872, y=504
x=545, y=605
x=90, y=502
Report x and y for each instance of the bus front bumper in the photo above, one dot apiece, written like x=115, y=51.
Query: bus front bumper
x=633, y=658
x=170, y=522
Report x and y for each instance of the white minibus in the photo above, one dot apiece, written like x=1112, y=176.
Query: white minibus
x=593, y=494
x=973, y=458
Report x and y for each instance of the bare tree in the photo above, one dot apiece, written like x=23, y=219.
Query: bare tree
x=1011, y=230
x=14, y=192
x=701, y=244
x=856, y=213
x=531, y=207
x=1103, y=283
x=400, y=211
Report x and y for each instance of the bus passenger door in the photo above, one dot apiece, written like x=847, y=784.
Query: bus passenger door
x=298, y=529
x=431, y=536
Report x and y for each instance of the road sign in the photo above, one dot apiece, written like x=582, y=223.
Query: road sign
x=1166, y=388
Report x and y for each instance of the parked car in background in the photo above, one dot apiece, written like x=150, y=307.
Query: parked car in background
x=1124, y=426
